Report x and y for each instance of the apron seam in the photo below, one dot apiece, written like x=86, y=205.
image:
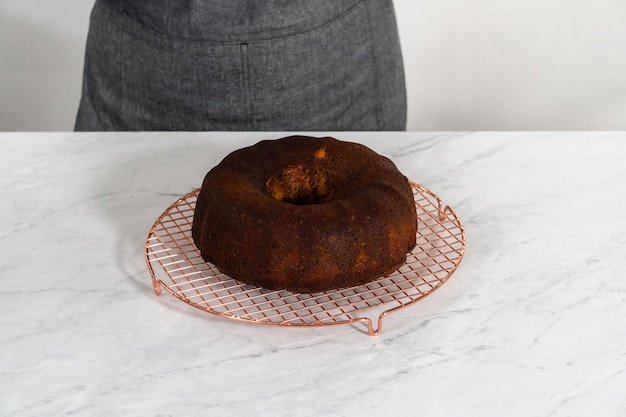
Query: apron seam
x=376, y=69
x=138, y=26
x=247, y=92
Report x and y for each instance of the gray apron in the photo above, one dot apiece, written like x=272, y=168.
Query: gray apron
x=281, y=65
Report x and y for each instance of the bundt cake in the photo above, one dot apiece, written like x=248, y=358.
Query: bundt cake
x=305, y=214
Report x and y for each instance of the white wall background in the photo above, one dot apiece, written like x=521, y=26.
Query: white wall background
x=470, y=64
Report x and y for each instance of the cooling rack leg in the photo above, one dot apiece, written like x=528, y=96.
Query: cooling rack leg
x=156, y=287
x=378, y=329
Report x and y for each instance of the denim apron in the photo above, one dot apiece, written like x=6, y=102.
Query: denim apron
x=280, y=65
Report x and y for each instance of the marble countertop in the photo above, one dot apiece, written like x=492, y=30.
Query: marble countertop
x=532, y=323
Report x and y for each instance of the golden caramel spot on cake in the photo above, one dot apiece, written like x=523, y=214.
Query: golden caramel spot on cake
x=320, y=153
x=292, y=260
x=361, y=259
x=393, y=235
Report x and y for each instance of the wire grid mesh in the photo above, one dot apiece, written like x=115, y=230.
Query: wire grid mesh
x=176, y=265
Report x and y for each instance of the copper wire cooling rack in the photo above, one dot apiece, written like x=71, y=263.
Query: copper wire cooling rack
x=176, y=265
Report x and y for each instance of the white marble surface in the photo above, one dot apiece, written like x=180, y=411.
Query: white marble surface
x=533, y=323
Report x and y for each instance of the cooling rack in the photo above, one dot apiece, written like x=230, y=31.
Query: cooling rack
x=176, y=266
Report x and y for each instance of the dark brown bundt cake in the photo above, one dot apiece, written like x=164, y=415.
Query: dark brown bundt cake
x=305, y=214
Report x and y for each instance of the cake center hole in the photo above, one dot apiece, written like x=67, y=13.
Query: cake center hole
x=302, y=185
